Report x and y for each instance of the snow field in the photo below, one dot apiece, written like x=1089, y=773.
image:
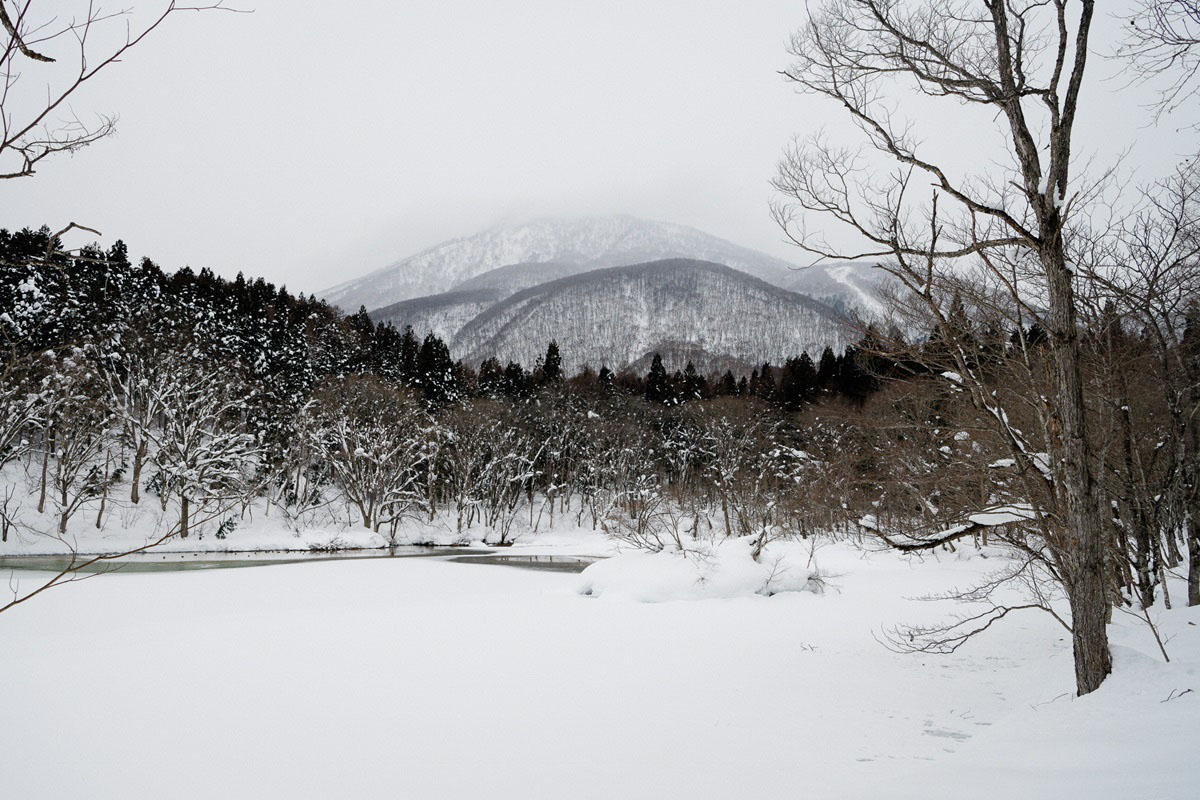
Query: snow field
x=420, y=678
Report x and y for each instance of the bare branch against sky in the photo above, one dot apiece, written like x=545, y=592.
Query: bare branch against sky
x=308, y=151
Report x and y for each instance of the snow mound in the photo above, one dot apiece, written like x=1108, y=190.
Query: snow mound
x=709, y=571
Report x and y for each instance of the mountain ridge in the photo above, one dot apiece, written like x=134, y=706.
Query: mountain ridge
x=614, y=316
x=579, y=243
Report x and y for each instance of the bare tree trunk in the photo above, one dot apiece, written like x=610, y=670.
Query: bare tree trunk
x=1161, y=572
x=139, y=458
x=5, y=519
x=1173, y=556
x=1193, y=540
x=183, y=516
x=48, y=446
x=65, y=515
x=1083, y=550
x=103, y=494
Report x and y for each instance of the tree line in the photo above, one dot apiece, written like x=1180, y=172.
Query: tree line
x=210, y=394
x=198, y=390
x=124, y=385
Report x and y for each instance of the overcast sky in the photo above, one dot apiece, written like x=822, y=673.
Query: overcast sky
x=312, y=142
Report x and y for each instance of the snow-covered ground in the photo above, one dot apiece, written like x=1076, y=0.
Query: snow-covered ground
x=258, y=527
x=421, y=678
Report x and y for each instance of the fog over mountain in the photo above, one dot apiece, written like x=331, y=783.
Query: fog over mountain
x=513, y=278
x=573, y=245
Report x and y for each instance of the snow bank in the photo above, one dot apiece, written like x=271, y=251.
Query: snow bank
x=713, y=570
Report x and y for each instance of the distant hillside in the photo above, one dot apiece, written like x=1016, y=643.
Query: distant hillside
x=443, y=314
x=579, y=244
x=676, y=355
x=512, y=278
x=616, y=316
x=849, y=286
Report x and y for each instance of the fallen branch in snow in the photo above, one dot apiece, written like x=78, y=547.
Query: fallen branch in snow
x=1030, y=577
x=945, y=639
x=1055, y=699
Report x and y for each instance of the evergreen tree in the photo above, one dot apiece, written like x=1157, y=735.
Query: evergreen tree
x=827, y=371
x=515, y=381
x=491, y=377
x=799, y=382
x=1035, y=336
x=951, y=336
x=1190, y=341
x=408, y=356
x=552, y=363
x=693, y=384
x=436, y=372
x=855, y=382
x=363, y=361
x=727, y=386
x=767, y=389
x=657, y=388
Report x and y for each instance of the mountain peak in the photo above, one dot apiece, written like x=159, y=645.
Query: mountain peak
x=574, y=244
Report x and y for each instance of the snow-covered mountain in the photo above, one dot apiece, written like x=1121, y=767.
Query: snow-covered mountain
x=513, y=278
x=616, y=316
x=572, y=244
x=443, y=314
x=850, y=286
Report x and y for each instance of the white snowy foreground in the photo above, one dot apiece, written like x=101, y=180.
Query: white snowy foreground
x=421, y=678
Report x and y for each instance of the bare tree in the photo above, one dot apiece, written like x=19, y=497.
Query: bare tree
x=75, y=430
x=1163, y=40
x=1025, y=63
x=80, y=566
x=1151, y=277
x=138, y=389
x=36, y=122
x=18, y=412
x=203, y=454
x=371, y=436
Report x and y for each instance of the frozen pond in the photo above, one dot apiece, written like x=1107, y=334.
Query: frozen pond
x=174, y=562
x=207, y=560
x=545, y=563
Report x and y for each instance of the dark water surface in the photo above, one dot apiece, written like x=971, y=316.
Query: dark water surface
x=175, y=562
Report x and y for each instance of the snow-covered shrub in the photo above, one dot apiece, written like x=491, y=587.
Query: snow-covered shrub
x=646, y=518
x=714, y=569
